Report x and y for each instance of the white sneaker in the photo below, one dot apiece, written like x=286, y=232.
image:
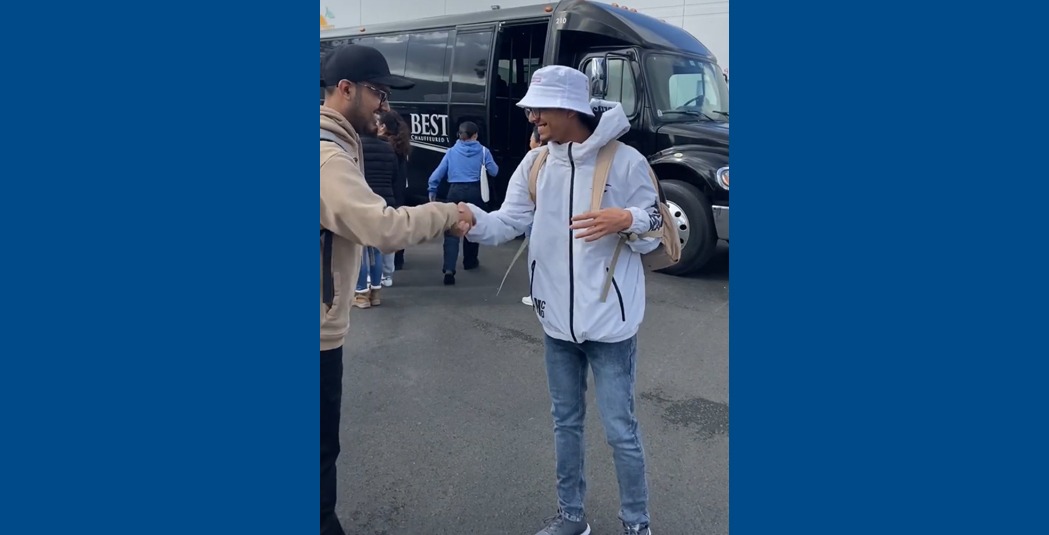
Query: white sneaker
x=527, y=300
x=387, y=281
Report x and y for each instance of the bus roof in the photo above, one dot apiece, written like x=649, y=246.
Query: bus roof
x=628, y=26
x=537, y=12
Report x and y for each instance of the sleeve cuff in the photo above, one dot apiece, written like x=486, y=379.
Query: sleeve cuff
x=641, y=221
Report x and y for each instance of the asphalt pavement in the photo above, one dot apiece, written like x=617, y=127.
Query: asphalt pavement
x=446, y=425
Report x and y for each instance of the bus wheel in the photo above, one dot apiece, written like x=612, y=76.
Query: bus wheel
x=691, y=213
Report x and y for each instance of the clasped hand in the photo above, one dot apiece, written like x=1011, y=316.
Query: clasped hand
x=465, y=223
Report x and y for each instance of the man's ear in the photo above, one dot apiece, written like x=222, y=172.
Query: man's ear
x=347, y=89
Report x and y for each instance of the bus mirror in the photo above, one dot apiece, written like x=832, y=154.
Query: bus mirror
x=598, y=77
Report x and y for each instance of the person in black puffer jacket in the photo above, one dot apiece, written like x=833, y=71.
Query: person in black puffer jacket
x=380, y=171
x=396, y=132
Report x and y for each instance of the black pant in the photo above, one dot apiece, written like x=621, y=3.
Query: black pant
x=468, y=192
x=331, y=405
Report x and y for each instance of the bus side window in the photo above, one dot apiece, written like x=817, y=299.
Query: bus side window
x=621, y=85
x=425, y=66
x=393, y=47
x=470, y=66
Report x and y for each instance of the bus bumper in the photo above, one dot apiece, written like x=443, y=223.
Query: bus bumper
x=721, y=221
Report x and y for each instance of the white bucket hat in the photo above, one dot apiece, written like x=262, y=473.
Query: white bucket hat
x=558, y=87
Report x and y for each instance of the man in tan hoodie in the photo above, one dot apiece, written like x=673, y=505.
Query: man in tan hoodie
x=357, y=83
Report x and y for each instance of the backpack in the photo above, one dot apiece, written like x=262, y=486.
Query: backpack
x=667, y=254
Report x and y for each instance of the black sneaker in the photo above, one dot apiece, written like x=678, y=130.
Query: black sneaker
x=636, y=529
x=559, y=525
x=449, y=279
x=471, y=265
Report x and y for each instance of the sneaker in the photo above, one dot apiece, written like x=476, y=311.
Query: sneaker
x=559, y=525
x=449, y=279
x=362, y=300
x=373, y=296
x=471, y=265
x=637, y=529
x=387, y=281
x=527, y=300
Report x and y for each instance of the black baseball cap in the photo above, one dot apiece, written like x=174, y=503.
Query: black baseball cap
x=359, y=63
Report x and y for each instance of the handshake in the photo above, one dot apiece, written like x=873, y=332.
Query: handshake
x=465, y=223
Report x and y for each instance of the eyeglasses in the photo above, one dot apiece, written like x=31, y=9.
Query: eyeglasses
x=534, y=112
x=383, y=95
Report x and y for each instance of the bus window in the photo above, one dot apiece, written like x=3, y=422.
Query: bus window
x=470, y=66
x=621, y=86
x=393, y=47
x=426, y=67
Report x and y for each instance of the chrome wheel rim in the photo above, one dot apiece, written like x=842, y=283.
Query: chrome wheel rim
x=680, y=220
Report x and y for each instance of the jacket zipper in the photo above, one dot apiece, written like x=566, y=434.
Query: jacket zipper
x=571, y=254
x=622, y=309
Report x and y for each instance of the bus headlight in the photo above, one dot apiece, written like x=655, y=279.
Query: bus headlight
x=723, y=177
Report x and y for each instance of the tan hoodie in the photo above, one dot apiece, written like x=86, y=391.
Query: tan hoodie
x=356, y=216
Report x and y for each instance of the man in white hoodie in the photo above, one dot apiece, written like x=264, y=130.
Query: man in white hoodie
x=569, y=254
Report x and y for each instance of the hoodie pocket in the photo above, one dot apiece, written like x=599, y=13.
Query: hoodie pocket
x=336, y=301
x=538, y=304
x=619, y=295
x=531, y=280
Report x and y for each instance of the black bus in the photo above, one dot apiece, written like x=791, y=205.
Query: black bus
x=476, y=67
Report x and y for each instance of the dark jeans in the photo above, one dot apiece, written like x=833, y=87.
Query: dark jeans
x=331, y=404
x=469, y=193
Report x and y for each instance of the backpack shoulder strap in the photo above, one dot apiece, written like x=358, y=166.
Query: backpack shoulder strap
x=601, y=170
x=533, y=173
x=533, y=181
x=328, y=136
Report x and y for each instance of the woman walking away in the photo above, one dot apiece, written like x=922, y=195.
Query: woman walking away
x=461, y=166
x=380, y=168
x=395, y=131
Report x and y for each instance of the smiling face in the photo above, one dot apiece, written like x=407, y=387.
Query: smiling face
x=554, y=125
x=360, y=104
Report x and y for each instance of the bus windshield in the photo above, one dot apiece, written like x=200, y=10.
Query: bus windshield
x=685, y=87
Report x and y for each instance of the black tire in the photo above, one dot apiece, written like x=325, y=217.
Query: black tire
x=702, y=240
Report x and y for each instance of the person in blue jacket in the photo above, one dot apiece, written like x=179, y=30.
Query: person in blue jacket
x=461, y=167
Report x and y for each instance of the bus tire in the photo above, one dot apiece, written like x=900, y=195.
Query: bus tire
x=697, y=224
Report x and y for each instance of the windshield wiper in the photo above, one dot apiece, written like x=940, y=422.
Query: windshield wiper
x=693, y=113
x=725, y=113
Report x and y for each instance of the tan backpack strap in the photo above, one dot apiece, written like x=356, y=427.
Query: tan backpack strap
x=533, y=173
x=520, y=250
x=611, y=270
x=601, y=170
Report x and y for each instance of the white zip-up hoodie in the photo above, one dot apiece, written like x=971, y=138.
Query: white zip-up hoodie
x=566, y=273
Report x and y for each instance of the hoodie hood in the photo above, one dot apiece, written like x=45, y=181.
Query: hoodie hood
x=468, y=149
x=335, y=123
x=612, y=125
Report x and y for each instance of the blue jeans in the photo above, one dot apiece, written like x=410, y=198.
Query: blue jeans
x=469, y=193
x=371, y=264
x=614, y=367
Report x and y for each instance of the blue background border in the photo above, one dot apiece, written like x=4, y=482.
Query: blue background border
x=886, y=260
x=161, y=377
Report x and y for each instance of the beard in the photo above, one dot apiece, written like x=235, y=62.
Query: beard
x=362, y=120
